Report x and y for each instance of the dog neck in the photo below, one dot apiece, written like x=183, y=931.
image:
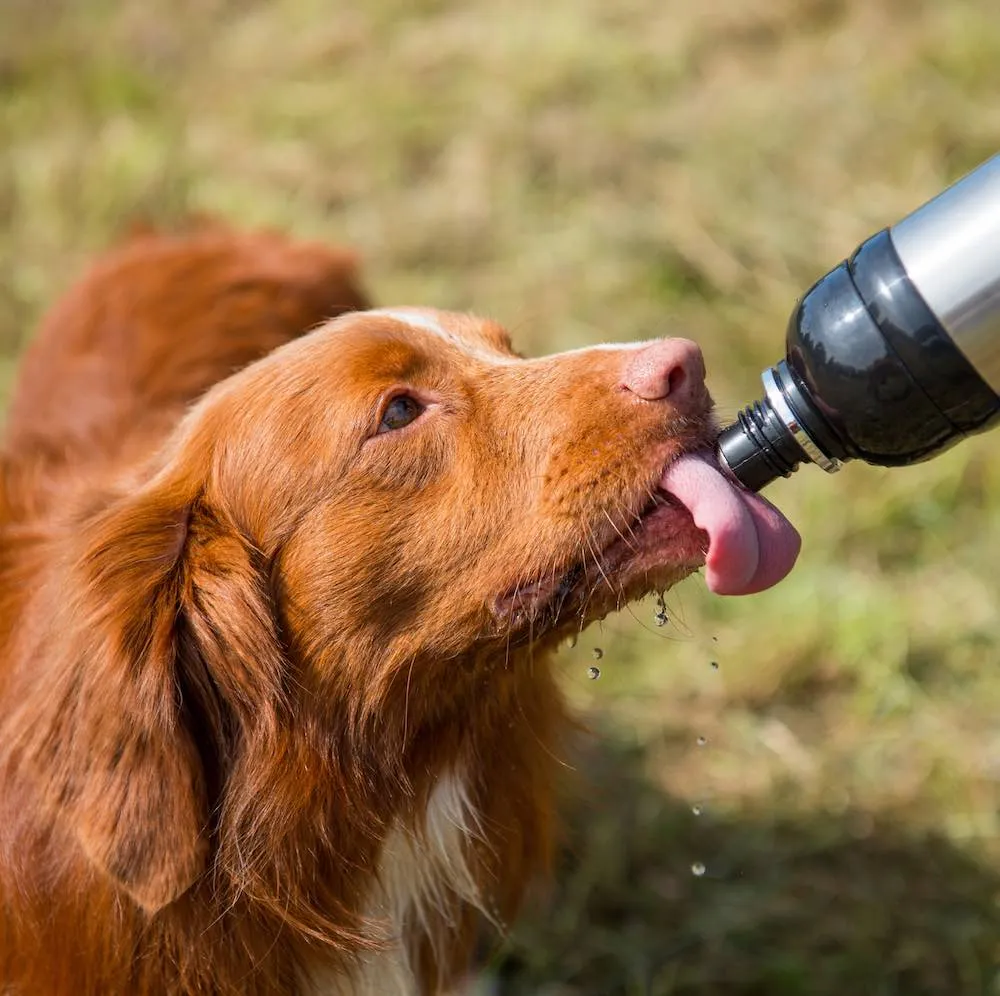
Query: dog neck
x=480, y=831
x=423, y=882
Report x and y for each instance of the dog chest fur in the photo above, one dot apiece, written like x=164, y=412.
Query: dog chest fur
x=423, y=878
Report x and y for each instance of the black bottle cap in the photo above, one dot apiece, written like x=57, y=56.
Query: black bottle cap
x=870, y=374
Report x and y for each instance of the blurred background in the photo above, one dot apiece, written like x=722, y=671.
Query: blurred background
x=588, y=170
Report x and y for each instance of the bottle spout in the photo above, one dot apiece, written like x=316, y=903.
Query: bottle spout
x=768, y=439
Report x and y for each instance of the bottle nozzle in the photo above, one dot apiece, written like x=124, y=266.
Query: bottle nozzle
x=768, y=439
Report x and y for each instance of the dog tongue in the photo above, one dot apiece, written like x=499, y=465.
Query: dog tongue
x=751, y=545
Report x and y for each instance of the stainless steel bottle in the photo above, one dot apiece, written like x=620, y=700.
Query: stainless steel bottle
x=894, y=355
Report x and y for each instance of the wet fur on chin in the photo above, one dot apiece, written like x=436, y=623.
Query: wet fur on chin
x=260, y=730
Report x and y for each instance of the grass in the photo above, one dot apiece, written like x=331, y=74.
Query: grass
x=585, y=170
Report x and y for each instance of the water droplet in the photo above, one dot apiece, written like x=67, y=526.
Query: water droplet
x=697, y=810
x=594, y=673
x=597, y=653
x=698, y=869
x=660, y=618
x=715, y=665
x=702, y=741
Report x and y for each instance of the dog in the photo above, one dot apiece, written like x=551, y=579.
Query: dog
x=280, y=576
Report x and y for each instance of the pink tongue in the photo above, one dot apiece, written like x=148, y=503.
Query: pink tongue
x=751, y=545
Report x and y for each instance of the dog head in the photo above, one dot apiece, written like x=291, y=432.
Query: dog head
x=364, y=536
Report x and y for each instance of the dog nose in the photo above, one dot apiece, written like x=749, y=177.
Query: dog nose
x=673, y=368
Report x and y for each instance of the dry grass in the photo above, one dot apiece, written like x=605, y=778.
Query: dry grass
x=587, y=170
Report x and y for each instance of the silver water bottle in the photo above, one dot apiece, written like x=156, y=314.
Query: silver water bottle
x=894, y=355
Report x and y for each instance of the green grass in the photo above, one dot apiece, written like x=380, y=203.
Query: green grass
x=586, y=170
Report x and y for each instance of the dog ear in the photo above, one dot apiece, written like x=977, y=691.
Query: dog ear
x=184, y=674
x=136, y=780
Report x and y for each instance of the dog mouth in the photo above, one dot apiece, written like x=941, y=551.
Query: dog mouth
x=697, y=516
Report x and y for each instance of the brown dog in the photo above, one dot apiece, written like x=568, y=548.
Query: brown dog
x=274, y=709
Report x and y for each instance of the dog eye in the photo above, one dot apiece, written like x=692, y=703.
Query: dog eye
x=401, y=411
